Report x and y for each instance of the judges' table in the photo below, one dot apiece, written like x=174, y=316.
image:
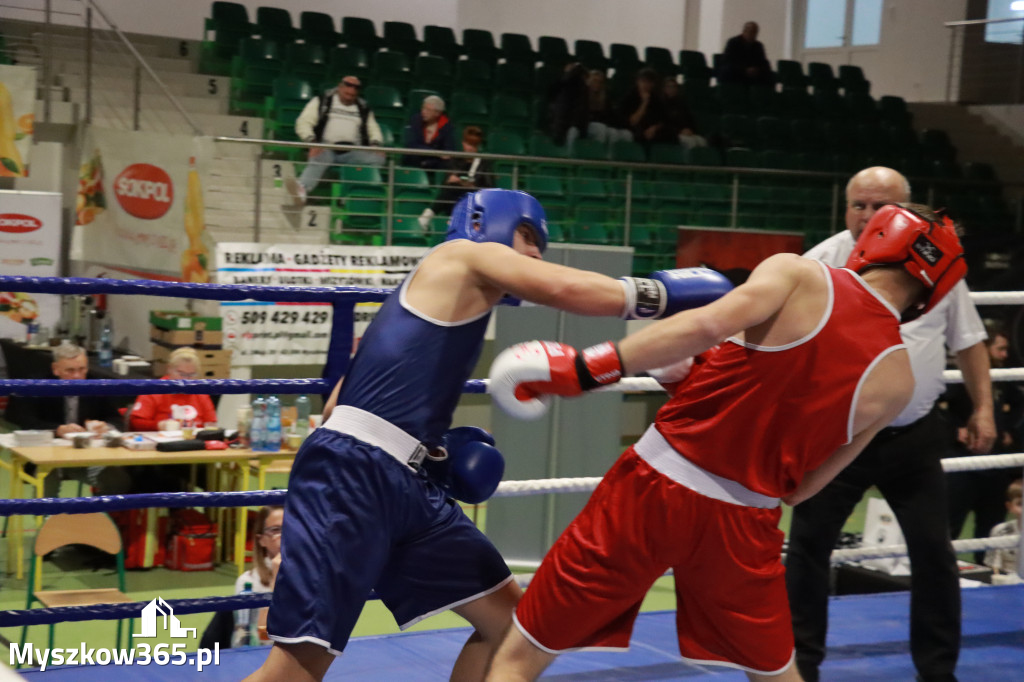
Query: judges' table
x=49, y=458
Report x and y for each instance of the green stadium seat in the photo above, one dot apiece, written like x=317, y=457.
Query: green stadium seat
x=510, y=112
x=288, y=98
x=543, y=186
x=348, y=61
x=588, y=149
x=660, y=59
x=473, y=75
x=516, y=47
x=627, y=150
x=829, y=104
x=229, y=23
x=361, y=181
x=553, y=51
x=667, y=153
x=440, y=40
x=851, y=77
x=893, y=110
x=764, y=100
x=257, y=52
x=253, y=84
x=479, y=44
x=514, y=78
x=506, y=142
x=274, y=23
x=693, y=64
x=392, y=68
x=386, y=103
x=414, y=99
x=773, y=133
x=624, y=58
x=591, y=54
x=734, y=98
x=703, y=156
x=542, y=145
x=360, y=32
x=412, y=181
x=738, y=130
x=400, y=36
x=468, y=108
x=790, y=74
x=822, y=77
x=358, y=220
x=433, y=72
x=796, y=103
x=319, y=28
x=307, y=60
x=862, y=107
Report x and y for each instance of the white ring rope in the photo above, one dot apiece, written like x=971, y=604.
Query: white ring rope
x=543, y=486
x=997, y=297
x=965, y=545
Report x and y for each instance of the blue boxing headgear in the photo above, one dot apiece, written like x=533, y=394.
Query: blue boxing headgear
x=492, y=215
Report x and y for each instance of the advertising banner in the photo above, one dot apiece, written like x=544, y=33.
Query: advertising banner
x=17, y=107
x=732, y=249
x=30, y=247
x=298, y=333
x=140, y=204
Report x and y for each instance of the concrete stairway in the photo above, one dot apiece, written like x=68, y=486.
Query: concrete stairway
x=230, y=189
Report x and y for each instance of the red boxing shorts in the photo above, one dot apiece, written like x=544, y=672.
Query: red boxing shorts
x=732, y=607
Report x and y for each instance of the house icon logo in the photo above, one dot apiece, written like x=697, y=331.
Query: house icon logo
x=150, y=614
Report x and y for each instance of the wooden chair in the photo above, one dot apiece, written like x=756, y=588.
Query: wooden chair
x=95, y=530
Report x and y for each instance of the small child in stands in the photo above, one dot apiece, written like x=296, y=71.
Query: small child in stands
x=1005, y=560
x=260, y=578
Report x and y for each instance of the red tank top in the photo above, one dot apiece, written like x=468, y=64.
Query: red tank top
x=764, y=416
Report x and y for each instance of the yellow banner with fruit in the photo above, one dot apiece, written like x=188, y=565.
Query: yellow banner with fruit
x=17, y=107
x=139, y=207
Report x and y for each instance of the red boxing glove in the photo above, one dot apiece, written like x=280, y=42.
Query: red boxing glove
x=523, y=377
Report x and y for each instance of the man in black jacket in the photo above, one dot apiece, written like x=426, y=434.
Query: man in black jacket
x=67, y=415
x=744, y=60
x=465, y=174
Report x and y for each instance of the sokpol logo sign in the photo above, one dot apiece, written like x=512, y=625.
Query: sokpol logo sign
x=19, y=223
x=144, y=191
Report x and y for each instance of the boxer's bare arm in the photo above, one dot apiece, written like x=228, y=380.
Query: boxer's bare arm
x=768, y=291
x=461, y=279
x=883, y=396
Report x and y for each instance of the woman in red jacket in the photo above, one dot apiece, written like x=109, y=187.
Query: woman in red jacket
x=152, y=412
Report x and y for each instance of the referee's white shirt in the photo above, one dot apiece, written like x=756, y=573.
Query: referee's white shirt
x=953, y=323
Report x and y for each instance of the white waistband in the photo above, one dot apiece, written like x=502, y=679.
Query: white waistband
x=378, y=432
x=656, y=451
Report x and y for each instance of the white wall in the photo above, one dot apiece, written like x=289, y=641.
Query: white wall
x=912, y=56
x=642, y=23
x=771, y=17
x=184, y=18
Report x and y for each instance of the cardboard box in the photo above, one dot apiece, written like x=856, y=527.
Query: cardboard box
x=180, y=328
x=207, y=358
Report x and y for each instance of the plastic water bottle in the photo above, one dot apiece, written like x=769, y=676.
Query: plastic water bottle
x=244, y=619
x=273, y=442
x=258, y=428
x=302, y=416
x=106, y=346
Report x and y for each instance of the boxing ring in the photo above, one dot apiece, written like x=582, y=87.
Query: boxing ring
x=867, y=637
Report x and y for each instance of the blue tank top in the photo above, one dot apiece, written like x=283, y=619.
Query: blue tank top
x=410, y=369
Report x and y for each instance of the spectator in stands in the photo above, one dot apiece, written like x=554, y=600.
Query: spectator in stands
x=984, y=491
x=70, y=415
x=465, y=174
x=567, y=102
x=429, y=128
x=744, y=59
x=157, y=412
x=643, y=110
x=1005, y=560
x=340, y=116
x=680, y=119
x=600, y=121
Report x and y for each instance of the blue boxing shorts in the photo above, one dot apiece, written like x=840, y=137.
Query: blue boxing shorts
x=356, y=520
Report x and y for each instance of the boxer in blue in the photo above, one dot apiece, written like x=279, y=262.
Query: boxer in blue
x=369, y=502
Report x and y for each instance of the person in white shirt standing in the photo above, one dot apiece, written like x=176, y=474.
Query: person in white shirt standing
x=338, y=116
x=903, y=461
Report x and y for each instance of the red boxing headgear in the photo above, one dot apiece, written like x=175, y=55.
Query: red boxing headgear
x=929, y=250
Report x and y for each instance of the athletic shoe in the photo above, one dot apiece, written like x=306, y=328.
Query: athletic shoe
x=296, y=191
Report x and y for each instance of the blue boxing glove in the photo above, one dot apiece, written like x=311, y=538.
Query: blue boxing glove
x=470, y=468
x=666, y=292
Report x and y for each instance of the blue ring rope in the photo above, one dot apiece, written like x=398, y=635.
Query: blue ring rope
x=210, y=292
x=64, y=614
x=85, y=505
x=60, y=387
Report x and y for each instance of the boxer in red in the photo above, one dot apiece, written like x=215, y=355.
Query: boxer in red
x=774, y=389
